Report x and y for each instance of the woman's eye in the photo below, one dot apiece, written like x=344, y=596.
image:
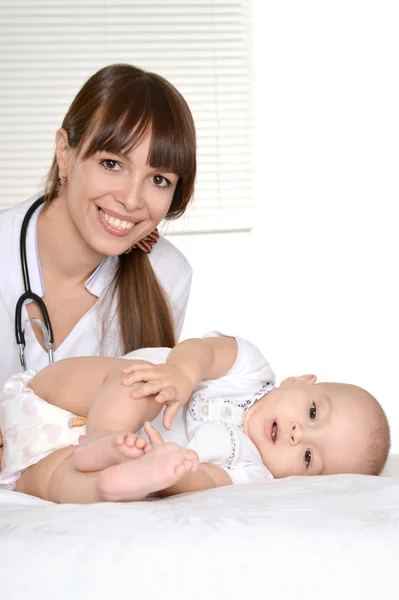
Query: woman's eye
x=308, y=457
x=111, y=165
x=313, y=412
x=160, y=181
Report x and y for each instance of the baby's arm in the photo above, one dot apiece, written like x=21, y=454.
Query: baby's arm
x=189, y=363
x=205, y=358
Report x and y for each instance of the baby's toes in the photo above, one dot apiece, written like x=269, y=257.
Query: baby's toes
x=192, y=456
x=119, y=438
x=130, y=440
x=179, y=472
x=140, y=442
x=189, y=466
x=176, y=466
x=130, y=453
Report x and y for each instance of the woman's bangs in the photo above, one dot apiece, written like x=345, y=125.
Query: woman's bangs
x=169, y=149
x=116, y=133
x=151, y=110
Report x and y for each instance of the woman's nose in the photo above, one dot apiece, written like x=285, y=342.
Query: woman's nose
x=131, y=196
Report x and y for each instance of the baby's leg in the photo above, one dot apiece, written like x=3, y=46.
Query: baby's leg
x=109, y=450
x=153, y=472
x=56, y=479
x=113, y=410
x=92, y=386
x=49, y=479
x=159, y=468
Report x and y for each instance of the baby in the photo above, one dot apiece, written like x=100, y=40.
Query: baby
x=235, y=425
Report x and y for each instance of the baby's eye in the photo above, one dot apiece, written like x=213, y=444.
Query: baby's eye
x=312, y=412
x=160, y=181
x=308, y=457
x=111, y=165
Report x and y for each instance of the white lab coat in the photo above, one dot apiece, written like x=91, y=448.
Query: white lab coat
x=170, y=265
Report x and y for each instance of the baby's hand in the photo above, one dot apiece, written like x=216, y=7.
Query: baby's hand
x=168, y=383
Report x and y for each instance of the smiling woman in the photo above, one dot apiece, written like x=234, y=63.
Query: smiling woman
x=121, y=195
x=124, y=160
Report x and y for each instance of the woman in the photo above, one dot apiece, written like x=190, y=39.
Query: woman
x=124, y=160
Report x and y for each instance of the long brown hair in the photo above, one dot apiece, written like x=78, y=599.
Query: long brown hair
x=113, y=112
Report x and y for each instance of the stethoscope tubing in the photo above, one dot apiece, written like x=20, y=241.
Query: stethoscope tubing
x=28, y=294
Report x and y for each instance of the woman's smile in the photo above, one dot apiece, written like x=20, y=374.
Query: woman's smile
x=117, y=226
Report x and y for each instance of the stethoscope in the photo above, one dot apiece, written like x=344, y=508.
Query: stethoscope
x=29, y=295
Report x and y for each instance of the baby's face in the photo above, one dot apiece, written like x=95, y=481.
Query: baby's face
x=305, y=429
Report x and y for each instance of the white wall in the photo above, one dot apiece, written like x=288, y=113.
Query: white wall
x=315, y=283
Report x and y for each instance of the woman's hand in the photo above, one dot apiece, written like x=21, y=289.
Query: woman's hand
x=168, y=383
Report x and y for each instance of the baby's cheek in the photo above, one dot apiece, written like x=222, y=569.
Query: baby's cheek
x=284, y=463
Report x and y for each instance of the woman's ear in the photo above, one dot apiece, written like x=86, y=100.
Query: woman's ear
x=301, y=380
x=62, y=150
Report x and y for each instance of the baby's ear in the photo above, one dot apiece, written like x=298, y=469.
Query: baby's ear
x=301, y=380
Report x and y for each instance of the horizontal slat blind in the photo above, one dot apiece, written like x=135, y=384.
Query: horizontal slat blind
x=48, y=49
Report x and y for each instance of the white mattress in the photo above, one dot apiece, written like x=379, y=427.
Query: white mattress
x=316, y=538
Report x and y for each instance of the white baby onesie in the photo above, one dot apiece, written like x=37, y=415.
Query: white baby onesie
x=212, y=421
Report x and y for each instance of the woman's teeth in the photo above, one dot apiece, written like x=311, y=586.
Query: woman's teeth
x=116, y=223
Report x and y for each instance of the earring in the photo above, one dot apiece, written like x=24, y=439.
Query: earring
x=62, y=179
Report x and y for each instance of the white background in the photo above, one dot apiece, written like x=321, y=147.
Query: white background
x=315, y=283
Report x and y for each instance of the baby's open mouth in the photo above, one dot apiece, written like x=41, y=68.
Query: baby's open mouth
x=274, y=431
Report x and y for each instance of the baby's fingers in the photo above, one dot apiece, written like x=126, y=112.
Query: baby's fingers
x=169, y=414
x=167, y=394
x=138, y=375
x=150, y=388
x=134, y=365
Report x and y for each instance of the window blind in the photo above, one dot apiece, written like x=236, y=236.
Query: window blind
x=49, y=49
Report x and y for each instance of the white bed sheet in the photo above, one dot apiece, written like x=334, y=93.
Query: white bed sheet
x=316, y=538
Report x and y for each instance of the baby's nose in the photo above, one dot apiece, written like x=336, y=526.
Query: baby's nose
x=295, y=433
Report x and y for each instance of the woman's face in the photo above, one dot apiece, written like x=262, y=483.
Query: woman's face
x=116, y=200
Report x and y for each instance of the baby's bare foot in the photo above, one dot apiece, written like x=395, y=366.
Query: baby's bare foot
x=109, y=450
x=157, y=469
